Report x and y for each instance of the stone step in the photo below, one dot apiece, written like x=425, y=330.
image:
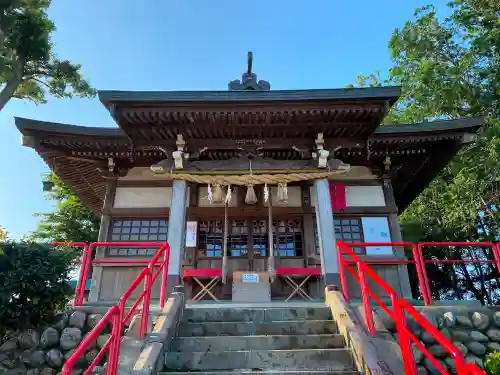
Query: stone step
x=301, y=359
x=224, y=314
x=270, y=372
x=253, y=329
x=274, y=342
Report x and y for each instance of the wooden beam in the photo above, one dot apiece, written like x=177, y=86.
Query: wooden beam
x=256, y=107
x=138, y=213
x=255, y=211
x=144, y=183
x=243, y=165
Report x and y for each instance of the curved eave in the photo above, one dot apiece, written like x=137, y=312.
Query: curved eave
x=82, y=175
x=28, y=126
x=464, y=124
x=390, y=93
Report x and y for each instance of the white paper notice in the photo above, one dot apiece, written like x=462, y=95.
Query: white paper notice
x=191, y=231
x=250, y=278
x=376, y=229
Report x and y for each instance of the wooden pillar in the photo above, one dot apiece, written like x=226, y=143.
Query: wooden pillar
x=177, y=232
x=326, y=233
x=395, y=228
x=95, y=286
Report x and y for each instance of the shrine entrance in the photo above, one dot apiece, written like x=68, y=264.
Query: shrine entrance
x=248, y=242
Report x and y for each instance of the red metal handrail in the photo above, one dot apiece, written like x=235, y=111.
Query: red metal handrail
x=400, y=307
x=116, y=315
x=494, y=249
x=80, y=285
x=86, y=264
x=420, y=262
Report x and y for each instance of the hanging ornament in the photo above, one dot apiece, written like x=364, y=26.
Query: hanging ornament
x=266, y=193
x=250, y=197
x=210, y=195
x=217, y=196
x=271, y=267
x=228, y=194
x=282, y=192
x=224, y=247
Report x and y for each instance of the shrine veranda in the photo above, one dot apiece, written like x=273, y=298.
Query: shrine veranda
x=304, y=168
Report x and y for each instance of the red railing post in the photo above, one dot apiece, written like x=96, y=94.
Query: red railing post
x=146, y=301
x=496, y=255
x=81, y=283
x=422, y=275
x=164, y=276
x=404, y=341
x=82, y=280
x=84, y=274
x=426, y=282
x=344, y=287
x=365, y=296
x=116, y=334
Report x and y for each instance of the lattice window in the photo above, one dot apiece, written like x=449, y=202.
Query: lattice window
x=237, y=242
x=316, y=236
x=210, y=238
x=287, y=236
x=260, y=238
x=154, y=230
x=347, y=230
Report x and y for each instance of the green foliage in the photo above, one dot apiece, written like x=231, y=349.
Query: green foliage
x=35, y=282
x=492, y=364
x=450, y=68
x=70, y=221
x=29, y=67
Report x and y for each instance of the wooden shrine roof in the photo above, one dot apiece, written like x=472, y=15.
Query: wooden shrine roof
x=77, y=153
x=146, y=116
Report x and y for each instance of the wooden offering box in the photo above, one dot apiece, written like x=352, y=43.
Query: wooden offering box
x=251, y=286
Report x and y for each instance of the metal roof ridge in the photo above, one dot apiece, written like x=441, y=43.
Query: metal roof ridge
x=386, y=92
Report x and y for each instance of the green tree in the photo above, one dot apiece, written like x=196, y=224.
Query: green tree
x=450, y=68
x=71, y=221
x=35, y=282
x=29, y=68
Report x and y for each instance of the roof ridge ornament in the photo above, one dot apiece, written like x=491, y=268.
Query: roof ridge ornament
x=249, y=80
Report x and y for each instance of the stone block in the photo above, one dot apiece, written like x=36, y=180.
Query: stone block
x=319, y=359
x=251, y=328
x=273, y=342
x=200, y=314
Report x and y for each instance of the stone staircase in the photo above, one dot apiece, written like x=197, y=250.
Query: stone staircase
x=266, y=340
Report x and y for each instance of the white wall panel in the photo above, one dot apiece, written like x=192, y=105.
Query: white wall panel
x=364, y=196
x=359, y=196
x=142, y=197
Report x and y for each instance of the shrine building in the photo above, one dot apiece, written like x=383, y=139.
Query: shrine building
x=227, y=176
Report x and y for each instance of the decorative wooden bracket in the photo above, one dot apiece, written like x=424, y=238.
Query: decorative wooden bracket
x=179, y=154
x=321, y=153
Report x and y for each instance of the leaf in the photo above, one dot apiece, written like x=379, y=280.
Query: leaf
x=449, y=68
x=29, y=68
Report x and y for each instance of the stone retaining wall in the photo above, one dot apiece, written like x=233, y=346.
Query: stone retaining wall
x=475, y=331
x=43, y=351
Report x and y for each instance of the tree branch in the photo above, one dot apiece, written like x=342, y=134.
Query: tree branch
x=41, y=82
x=12, y=84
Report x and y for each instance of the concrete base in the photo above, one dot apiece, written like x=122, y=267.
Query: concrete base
x=172, y=281
x=331, y=279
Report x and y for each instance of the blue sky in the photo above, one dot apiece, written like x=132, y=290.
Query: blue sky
x=193, y=45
